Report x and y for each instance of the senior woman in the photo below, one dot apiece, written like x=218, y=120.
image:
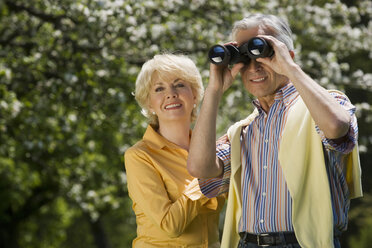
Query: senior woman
x=170, y=209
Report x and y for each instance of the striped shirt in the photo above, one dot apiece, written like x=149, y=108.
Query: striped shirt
x=266, y=201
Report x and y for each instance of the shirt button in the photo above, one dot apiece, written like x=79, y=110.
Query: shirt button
x=266, y=140
x=265, y=167
x=264, y=193
x=261, y=221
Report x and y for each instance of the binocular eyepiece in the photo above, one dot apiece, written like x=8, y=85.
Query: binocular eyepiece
x=229, y=54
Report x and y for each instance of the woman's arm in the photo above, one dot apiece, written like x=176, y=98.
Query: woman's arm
x=147, y=190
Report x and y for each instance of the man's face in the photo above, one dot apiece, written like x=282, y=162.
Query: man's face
x=259, y=79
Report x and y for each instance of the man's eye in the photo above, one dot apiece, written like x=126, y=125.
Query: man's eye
x=244, y=68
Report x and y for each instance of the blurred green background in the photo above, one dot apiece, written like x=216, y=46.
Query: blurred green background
x=67, y=113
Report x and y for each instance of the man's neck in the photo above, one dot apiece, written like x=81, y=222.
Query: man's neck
x=266, y=102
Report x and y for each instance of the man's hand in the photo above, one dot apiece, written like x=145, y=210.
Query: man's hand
x=221, y=77
x=282, y=61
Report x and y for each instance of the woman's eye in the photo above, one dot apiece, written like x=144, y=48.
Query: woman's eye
x=180, y=85
x=158, y=89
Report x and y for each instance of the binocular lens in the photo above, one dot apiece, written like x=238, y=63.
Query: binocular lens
x=230, y=54
x=217, y=54
x=259, y=48
x=256, y=46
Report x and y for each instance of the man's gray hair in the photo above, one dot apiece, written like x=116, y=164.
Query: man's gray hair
x=279, y=27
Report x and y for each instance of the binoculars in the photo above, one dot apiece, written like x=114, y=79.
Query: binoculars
x=229, y=54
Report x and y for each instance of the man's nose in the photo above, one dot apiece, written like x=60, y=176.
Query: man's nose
x=254, y=66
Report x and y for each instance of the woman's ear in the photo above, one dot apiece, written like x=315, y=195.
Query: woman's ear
x=151, y=110
x=148, y=106
x=194, y=92
x=292, y=54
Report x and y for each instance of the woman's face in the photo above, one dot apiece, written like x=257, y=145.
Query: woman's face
x=171, y=98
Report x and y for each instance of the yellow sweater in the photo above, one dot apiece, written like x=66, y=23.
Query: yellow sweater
x=307, y=184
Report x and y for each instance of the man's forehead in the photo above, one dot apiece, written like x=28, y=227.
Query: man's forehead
x=245, y=34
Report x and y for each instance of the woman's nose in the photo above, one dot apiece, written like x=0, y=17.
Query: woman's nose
x=172, y=93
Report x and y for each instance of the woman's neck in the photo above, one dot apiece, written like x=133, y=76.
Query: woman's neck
x=176, y=132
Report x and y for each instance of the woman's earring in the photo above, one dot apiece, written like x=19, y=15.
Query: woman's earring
x=153, y=112
x=194, y=105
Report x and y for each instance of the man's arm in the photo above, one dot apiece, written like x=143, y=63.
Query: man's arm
x=327, y=113
x=202, y=161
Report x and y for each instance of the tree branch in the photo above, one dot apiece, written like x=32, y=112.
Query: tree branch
x=18, y=8
x=55, y=19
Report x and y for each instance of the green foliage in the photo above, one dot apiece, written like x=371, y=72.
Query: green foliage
x=67, y=73
x=361, y=225
x=57, y=215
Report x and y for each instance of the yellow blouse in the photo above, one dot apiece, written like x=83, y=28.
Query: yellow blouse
x=170, y=209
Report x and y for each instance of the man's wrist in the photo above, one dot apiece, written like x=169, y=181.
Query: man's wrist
x=216, y=91
x=293, y=71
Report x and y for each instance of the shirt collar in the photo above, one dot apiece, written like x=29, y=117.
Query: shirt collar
x=156, y=141
x=286, y=94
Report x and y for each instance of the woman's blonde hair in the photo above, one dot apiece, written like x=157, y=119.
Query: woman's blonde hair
x=179, y=65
